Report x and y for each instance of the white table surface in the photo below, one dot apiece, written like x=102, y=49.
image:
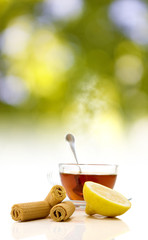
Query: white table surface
x=29, y=183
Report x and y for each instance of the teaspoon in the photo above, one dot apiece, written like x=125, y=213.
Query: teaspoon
x=71, y=140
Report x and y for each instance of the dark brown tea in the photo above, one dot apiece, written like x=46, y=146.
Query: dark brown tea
x=73, y=183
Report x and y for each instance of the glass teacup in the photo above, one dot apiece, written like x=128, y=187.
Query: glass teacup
x=73, y=177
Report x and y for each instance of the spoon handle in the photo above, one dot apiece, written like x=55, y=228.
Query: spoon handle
x=73, y=150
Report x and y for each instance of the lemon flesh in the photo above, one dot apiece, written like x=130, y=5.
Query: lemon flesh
x=103, y=200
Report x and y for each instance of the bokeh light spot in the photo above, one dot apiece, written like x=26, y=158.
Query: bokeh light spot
x=129, y=69
x=13, y=90
x=63, y=10
x=14, y=40
x=132, y=18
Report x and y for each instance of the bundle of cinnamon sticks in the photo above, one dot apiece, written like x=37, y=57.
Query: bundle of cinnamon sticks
x=53, y=204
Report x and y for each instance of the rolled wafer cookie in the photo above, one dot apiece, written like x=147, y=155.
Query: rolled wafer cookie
x=29, y=211
x=56, y=195
x=62, y=211
x=41, y=209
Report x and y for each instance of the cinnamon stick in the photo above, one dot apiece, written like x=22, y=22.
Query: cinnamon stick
x=41, y=209
x=62, y=211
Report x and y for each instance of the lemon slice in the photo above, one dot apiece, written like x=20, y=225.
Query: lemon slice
x=103, y=200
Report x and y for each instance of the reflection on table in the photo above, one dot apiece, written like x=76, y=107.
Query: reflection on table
x=79, y=226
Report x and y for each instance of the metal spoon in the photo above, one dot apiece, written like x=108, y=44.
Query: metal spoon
x=78, y=185
x=71, y=140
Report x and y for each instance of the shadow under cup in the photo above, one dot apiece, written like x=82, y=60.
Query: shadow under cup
x=73, y=177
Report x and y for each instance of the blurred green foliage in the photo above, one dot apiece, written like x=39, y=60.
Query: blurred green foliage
x=60, y=60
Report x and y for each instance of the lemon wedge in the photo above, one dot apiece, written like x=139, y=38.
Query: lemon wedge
x=103, y=200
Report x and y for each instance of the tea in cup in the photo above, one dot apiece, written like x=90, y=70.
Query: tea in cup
x=73, y=177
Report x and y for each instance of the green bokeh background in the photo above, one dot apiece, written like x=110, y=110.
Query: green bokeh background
x=79, y=66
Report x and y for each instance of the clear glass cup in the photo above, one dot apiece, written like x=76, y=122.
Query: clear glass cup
x=73, y=177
